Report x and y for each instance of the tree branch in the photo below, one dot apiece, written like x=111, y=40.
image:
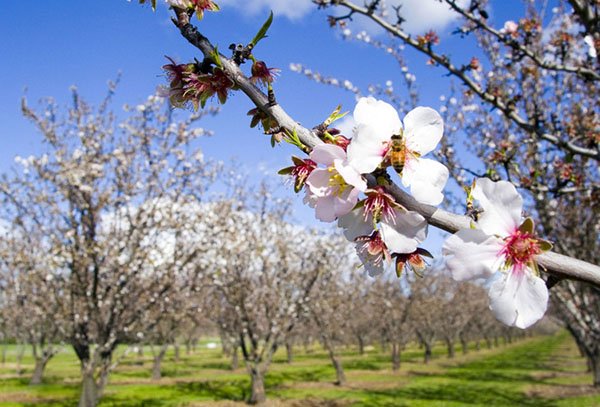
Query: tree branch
x=445, y=62
x=553, y=263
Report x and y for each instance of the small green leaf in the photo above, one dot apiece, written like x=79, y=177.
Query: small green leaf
x=216, y=57
x=335, y=115
x=527, y=226
x=544, y=245
x=262, y=33
x=298, y=185
x=285, y=171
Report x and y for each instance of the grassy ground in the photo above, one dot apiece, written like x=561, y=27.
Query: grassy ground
x=544, y=371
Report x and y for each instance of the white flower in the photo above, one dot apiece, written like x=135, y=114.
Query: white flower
x=503, y=243
x=376, y=123
x=334, y=190
x=400, y=233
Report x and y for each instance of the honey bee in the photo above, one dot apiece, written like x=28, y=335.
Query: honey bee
x=397, y=152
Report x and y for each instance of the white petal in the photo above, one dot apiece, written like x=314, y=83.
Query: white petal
x=354, y=224
x=318, y=182
x=350, y=175
x=310, y=199
x=472, y=254
x=426, y=178
x=423, y=129
x=326, y=153
x=405, y=235
x=501, y=204
x=372, y=268
x=345, y=202
x=366, y=151
x=325, y=209
x=379, y=115
x=519, y=299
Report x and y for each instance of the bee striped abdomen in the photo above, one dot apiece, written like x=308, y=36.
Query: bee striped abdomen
x=397, y=153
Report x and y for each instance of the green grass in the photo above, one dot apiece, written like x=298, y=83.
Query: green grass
x=543, y=371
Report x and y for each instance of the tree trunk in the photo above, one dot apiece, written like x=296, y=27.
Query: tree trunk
x=176, y=347
x=156, y=365
x=594, y=361
x=289, y=350
x=395, y=356
x=258, y=395
x=488, y=343
x=235, y=360
x=20, y=353
x=496, y=343
x=361, y=345
x=450, y=346
x=464, y=344
x=340, y=377
x=427, y=355
x=89, y=389
x=40, y=365
x=4, y=347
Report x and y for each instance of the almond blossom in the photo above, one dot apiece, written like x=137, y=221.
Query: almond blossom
x=376, y=123
x=501, y=248
x=333, y=190
x=382, y=230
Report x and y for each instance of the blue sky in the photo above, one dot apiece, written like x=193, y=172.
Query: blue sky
x=49, y=46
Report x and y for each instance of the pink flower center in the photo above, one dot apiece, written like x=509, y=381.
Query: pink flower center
x=380, y=204
x=375, y=248
x=519, y=249
x=302, y=171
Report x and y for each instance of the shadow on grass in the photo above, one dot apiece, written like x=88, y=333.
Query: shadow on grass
x=358, y=364
x=455, y=393
x=277, y=379
x=237, y=390
x=480, y=376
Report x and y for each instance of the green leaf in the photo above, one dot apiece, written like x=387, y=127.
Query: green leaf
x=527, y=226
x=335, y=115
x=285, y=171
x=262, y=33
x=216, y=57
x=544, y=245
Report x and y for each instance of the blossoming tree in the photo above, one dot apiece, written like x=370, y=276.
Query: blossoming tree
x=345, y=177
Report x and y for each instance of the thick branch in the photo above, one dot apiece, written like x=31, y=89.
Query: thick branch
x=554, y=264
x=444, y=61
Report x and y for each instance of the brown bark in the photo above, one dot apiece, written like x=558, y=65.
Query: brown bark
x=235, y=360
x=258, y=395
x=361, y=345
x=89, y=390
x=40, y=366
x=450, y=346
x=156, y=365
x=395, y=356
x=427, y=353
x=289, y=350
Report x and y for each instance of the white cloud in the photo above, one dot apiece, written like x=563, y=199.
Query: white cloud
x=292, y=9
x=420, y=15
x=423, y=15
